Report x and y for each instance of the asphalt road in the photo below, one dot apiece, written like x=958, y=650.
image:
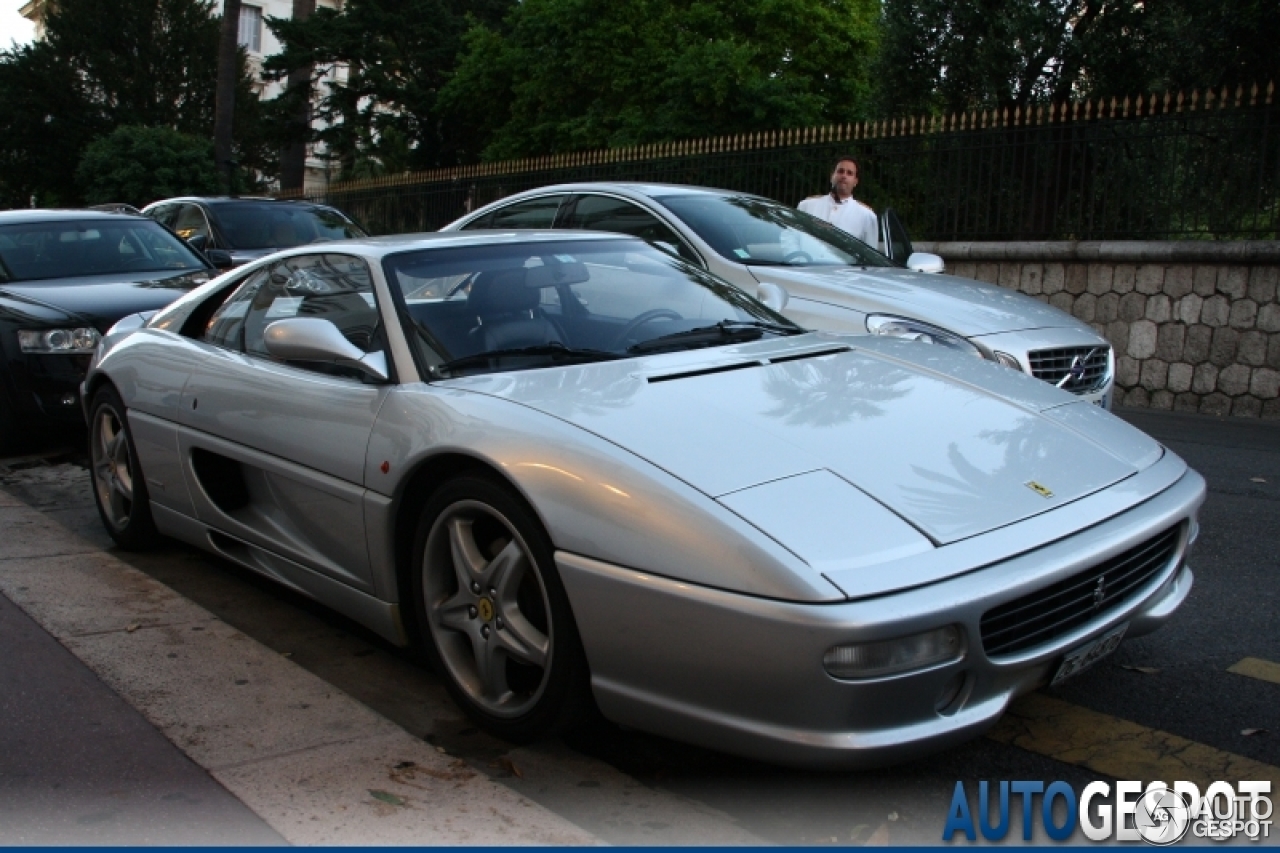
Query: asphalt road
x=1155, y=696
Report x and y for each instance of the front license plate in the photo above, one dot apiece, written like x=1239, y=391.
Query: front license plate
x=1078, y=660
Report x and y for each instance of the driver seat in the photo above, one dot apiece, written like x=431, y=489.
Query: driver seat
x=507, y=313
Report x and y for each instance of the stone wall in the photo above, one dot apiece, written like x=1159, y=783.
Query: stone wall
x=1195, y=324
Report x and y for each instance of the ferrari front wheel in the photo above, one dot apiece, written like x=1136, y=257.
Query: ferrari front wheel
x=118, y=486
x=493, y=614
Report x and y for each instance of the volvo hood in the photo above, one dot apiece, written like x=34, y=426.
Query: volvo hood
x=952, y=445
x=962, y=305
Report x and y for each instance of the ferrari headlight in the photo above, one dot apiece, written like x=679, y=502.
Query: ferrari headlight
x=69, y=341
x=888, y=657
x=914, y=330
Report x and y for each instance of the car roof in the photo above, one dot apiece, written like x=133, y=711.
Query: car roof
x=378, y=247
x=236, y=199
x=655, y=190
x=39, y=214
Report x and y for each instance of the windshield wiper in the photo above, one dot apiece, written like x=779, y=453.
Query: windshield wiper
x=555, y=351
x=725, y=330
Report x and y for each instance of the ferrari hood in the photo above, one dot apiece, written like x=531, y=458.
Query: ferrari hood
x=962, y=305
x=952, y=445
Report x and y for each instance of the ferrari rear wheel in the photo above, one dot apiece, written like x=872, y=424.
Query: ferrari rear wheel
x=118, y=485
x=493, y=614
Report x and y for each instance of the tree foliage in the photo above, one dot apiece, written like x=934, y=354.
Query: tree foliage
x=395, y=56
x=939, y=55
x=138, y=165
x=104, y=65
x=562, y=75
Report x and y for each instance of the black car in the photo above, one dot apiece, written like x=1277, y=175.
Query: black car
x=248, y=228
x=66, y=276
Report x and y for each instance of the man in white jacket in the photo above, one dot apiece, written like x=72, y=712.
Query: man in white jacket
x=841, y=209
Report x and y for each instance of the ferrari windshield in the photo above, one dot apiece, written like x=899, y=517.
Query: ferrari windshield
x=758, y=232
x=36, y=251
x=518, y=306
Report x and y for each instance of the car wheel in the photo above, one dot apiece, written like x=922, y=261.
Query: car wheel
x=492, y=613
x=118, y=485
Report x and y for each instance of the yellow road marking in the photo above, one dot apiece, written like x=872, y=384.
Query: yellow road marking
x=1263, y=670
x=1119, y=748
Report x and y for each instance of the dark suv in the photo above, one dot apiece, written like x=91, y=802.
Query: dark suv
x=233, y=230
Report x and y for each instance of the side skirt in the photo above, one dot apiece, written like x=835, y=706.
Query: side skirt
x=375, y=614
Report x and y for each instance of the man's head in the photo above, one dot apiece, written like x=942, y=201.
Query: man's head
x=844, y=177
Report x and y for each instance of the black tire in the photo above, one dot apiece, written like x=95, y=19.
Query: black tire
x=119, y=489
x=504, y=641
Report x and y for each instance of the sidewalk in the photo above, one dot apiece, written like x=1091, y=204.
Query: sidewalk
x=230, y=743
x=79, y=766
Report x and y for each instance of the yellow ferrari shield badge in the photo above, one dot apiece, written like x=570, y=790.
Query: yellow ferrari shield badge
x=1042, y=491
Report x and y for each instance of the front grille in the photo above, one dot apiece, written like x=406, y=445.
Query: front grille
x=1048, y=613
x=1075, y=369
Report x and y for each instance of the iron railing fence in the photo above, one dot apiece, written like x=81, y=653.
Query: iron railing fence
x=1203, y=166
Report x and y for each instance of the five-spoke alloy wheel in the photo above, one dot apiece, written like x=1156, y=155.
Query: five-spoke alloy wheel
x=118, y=485
x=493, y=614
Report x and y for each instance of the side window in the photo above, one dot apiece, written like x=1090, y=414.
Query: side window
x=535, y=213
x=602, y=213
x=190, y=222
x=164, y=214
x=226, y=326
x=332, y=287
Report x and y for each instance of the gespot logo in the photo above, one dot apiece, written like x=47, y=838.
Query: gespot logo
x=1157, y=813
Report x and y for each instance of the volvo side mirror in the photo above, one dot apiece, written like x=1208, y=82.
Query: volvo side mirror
x=772, y=295
x=926, y=262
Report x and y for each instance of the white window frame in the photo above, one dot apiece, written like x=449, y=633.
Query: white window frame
x=250, y=33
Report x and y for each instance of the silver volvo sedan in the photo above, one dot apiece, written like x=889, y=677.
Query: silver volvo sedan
x=835, y=282
x=579, y=470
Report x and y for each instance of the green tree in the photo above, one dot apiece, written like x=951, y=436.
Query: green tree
x=394, y=58
x=138, y=165
x=105, y=64
x=564, y=75
x=942, y=56
x=47, y=125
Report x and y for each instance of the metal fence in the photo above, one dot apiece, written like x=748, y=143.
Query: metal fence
x=1198, y=166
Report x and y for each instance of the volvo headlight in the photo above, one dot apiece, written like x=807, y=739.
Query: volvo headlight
x=914, y=330
x=889, y=657
x=81, y=341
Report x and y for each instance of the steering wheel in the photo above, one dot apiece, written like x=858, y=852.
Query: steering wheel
x=638, y=321
x=796, y=256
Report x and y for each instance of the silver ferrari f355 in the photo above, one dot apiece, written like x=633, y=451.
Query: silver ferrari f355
x=578, y=470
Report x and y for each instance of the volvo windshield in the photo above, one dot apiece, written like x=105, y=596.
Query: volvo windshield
x=758, y=232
